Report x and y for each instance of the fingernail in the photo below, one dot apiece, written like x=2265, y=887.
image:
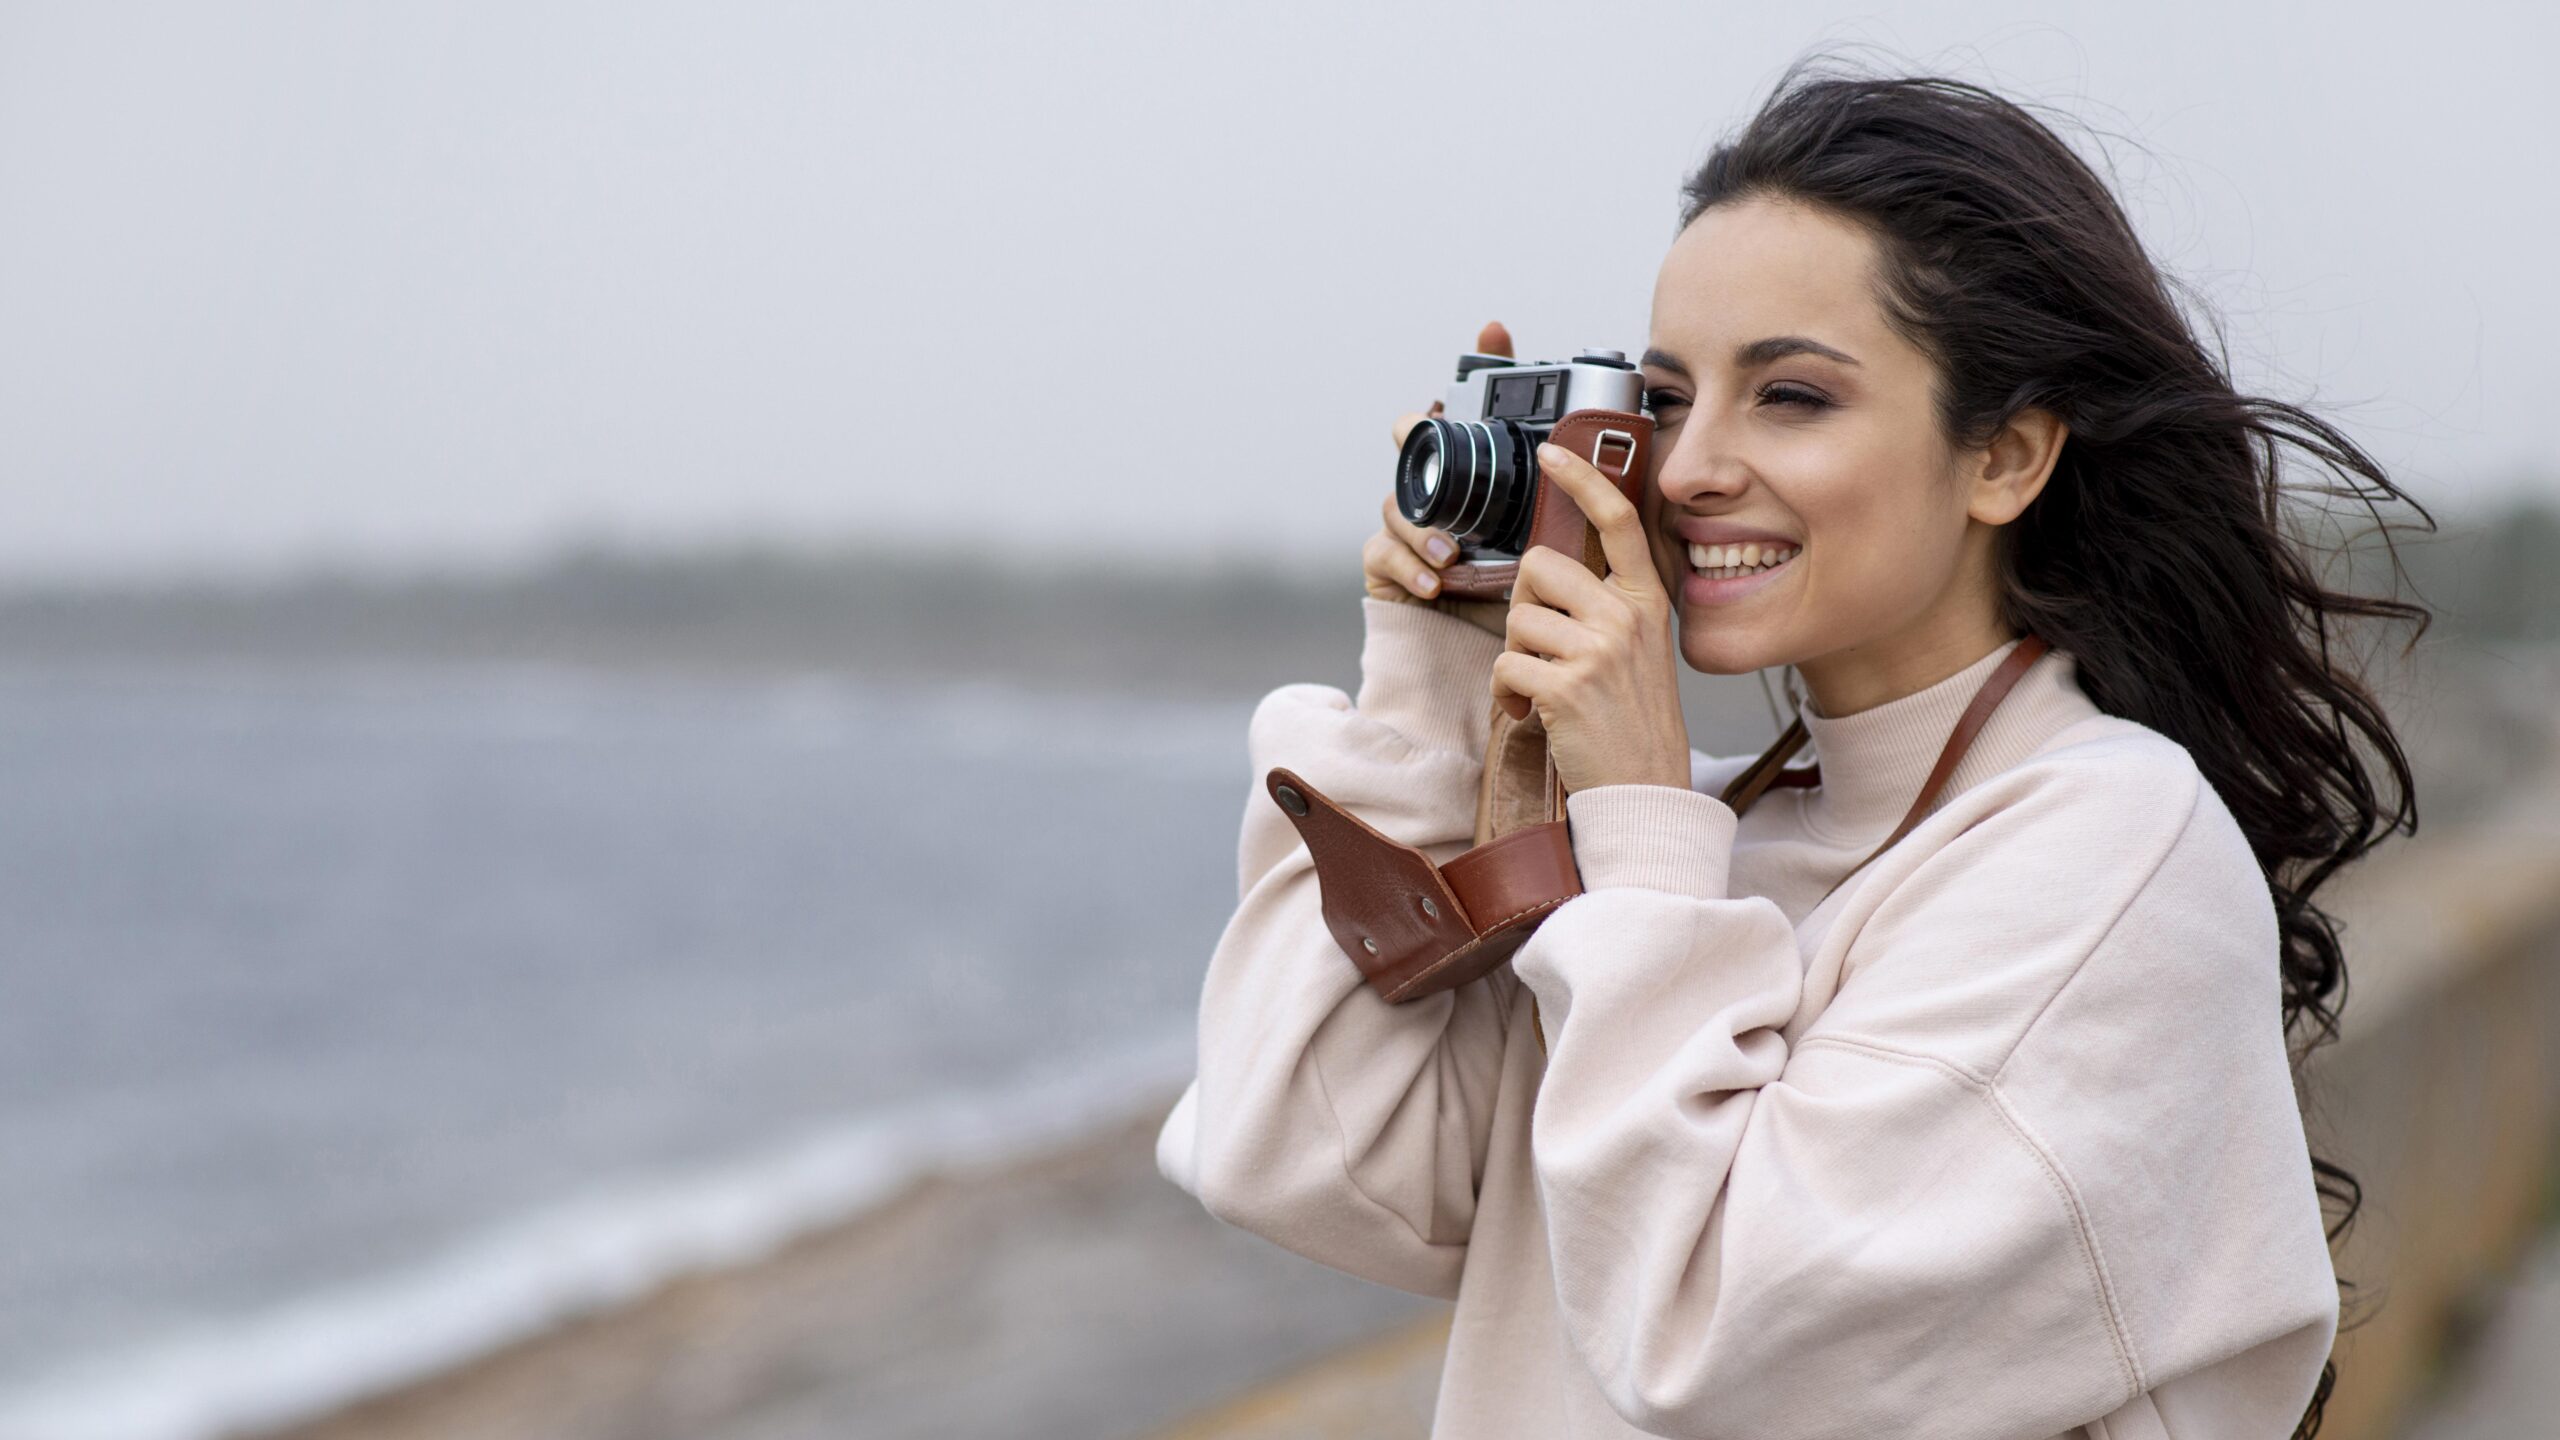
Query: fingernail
x=1426, y=583
x=1550, y=452
x=1439, y=549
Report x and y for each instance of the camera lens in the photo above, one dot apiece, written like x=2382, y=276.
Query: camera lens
x=1469, y=478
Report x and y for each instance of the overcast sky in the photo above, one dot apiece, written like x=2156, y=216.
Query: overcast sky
x=412, y=284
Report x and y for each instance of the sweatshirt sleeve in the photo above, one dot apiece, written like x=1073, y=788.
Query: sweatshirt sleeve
x=2039, y=1154
x=1322, y=1118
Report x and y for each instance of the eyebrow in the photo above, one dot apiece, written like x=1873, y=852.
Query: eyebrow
x=1758, y=352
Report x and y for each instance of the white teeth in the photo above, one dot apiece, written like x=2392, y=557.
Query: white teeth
x=1724, y=562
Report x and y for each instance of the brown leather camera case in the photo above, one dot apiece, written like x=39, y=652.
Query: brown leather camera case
x=1416, y=928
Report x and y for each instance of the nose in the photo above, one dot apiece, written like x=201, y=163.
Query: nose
x=1698, y=468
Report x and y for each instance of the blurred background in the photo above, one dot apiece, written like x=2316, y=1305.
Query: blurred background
x=625, y=633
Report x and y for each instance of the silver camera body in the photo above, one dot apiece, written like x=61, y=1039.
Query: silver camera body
x=1473, y=470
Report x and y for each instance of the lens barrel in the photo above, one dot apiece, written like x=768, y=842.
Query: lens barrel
x=1468, y=477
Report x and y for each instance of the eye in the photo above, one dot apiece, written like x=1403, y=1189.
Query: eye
x=1792, y=395
x=1656, y=400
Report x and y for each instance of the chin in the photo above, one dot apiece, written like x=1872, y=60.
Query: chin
x=1712, y=646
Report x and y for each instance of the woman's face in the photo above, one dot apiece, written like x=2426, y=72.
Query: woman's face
x=1796, y=427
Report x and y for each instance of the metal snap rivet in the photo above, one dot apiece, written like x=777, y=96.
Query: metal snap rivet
x=1291, y=800
x=1430, y=907
x=1368, y=944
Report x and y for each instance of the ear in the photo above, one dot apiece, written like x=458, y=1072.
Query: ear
x=2010, y=472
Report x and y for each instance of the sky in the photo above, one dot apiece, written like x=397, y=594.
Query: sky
x=406, y=286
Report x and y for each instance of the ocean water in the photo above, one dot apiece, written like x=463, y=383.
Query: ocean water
x=352, y=1020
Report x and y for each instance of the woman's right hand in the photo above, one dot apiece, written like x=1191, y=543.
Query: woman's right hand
x=1402, y=561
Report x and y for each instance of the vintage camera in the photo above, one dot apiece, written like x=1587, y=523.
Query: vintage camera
x=1473, y=470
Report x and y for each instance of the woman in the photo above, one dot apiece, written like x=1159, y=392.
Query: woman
x=1993, y=1134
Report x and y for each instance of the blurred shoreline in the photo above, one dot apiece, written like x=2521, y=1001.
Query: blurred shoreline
x=1190, y=625
x=1074, y=1284
x=902, y=613
x=625, y=1254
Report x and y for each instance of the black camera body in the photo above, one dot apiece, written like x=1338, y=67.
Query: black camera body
x=1473, y=470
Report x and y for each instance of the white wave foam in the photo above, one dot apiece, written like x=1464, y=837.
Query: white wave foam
x=589, y=1254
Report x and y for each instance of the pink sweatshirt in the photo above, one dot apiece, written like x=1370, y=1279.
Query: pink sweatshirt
x=1998, y=1141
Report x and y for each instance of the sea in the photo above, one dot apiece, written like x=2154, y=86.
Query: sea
x=358, y=1019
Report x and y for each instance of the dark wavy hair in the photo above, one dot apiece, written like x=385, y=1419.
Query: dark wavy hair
x=2166, y=552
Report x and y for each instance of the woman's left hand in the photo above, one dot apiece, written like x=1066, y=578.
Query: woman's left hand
x=1596, y=657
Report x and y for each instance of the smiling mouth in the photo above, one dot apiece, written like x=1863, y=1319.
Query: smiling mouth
x=1732, y=562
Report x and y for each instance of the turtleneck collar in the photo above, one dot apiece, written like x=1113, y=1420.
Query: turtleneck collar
x=1874, y=762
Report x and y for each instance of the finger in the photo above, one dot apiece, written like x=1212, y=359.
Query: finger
x=1493, y=339
x=1520, y=681
x=1391, y=559
x=1537, y=630
x=1621, y=528
x=1548, y=577
x=1405, y=423
x=1433, y=544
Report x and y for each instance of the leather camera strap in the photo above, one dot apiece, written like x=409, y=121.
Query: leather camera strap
x=1769, y=770
x=1414, y=927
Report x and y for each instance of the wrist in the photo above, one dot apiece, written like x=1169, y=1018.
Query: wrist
x=1651, y=836
x=1425, y=677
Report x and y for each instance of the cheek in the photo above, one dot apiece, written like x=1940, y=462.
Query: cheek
x=1881, y=522
x=1843, y=494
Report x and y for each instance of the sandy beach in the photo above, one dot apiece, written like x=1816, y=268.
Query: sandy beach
x=1075, y=1294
